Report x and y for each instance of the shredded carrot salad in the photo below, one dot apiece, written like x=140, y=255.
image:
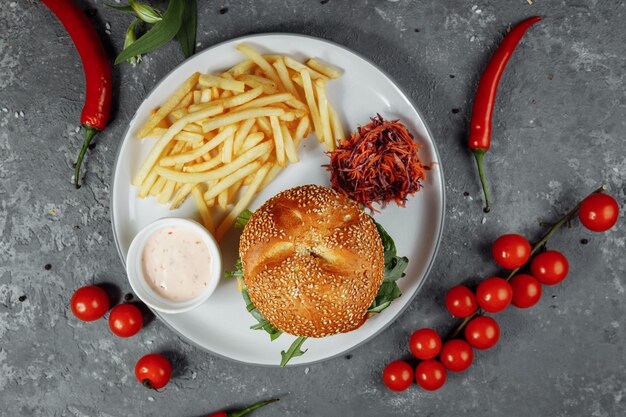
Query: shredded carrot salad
x=377, y=164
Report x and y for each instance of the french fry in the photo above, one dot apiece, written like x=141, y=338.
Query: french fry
x=182, y=158
x=165, y=139
x=278, y=141
x=156, y=189
x=226, y=94
x=205, y=96
x=320, y=86
x=197, y=96
x=166, y=193
x=290, y=149
x=189, y=137
x=283, y=74
x=225, y=183
x=192, y=127
x=205, y=215
x=181, y=195
x=266, y=101
x=216, y=174
x=186, y=101
x=215, y=92
x=147, y=184
x=303, y=127
x=234, y=189
x=298, y=67
x=264, y=124
x=288, y=117
x=242, y=133
x=222, y=200
x=177, y=115
x=203, y=166
x=169, y=105
x=157, y=132
x=338, y=132
x=234, y=117
x=323, y=69
x=248, y=65
x=206, y=80
x=259, y=60
x=310, y=100
x=227, y=149
x=252, y=140
x=271, y=175
x=268, y=86
x=243, y=202
x=229, y=102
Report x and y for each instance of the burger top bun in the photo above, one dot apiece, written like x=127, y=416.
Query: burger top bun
x=312, y=261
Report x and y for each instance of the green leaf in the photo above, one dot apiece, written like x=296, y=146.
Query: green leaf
x=187, y=34
x=126, y=9
x=130, y=38
x=160, y=34
x=243, y=219
x=395, y=269
x=263, y=323
x=293, y=351
x=389, y=247
x=145, y=12
x=238, y=272
x=387, y=292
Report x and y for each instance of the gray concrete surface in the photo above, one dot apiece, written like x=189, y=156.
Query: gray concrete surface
x=559, y=132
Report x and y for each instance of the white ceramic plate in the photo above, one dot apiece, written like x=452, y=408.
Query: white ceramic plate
x=221, y=325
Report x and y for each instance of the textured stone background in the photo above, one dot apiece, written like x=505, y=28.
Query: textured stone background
x=559, y=132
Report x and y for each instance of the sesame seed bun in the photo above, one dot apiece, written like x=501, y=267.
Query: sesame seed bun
x=312, y=261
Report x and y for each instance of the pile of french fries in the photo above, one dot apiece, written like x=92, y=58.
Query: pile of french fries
x=223, y=138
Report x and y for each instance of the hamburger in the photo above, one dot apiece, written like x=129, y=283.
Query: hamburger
x=314, y=264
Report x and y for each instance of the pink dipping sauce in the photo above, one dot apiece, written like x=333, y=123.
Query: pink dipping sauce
x=177, y=263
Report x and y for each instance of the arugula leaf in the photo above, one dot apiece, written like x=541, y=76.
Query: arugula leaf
x=160, y=34
x=187, y=34
x=263, y=323
x=389, y=246
x=394, y=270
x=387, y=292
x=238, y=272
x=243, y=219
x=293, y=351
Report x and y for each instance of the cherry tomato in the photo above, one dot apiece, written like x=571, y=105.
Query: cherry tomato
x=549, y=267
x=511, y=251
x=89, y=303
x=482, y=332
x=598, y=212
x=153, y=371
x=526, y=290
x=456, y=355
x=430, y=375
x=494, y=294
x=425, y=344
x=398, y=376
x=460, y=301
x=125, y=320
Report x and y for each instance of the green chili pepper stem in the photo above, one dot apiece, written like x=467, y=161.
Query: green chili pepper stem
x=253, y=407
x=90, y=132
x=534, y=250
x=479, y=154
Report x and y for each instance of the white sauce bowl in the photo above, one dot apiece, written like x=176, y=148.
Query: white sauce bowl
x=140, y=285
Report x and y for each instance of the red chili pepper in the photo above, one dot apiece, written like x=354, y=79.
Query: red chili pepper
x=96, y=67
x=485, y=99
x=239, y=413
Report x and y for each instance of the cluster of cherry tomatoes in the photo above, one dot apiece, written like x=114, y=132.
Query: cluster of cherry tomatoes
x=598, y=213
x=125, y=320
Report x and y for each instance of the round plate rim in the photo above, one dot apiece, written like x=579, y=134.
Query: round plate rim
x=439, y=167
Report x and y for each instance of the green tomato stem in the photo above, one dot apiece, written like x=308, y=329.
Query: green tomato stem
x=534, y=250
